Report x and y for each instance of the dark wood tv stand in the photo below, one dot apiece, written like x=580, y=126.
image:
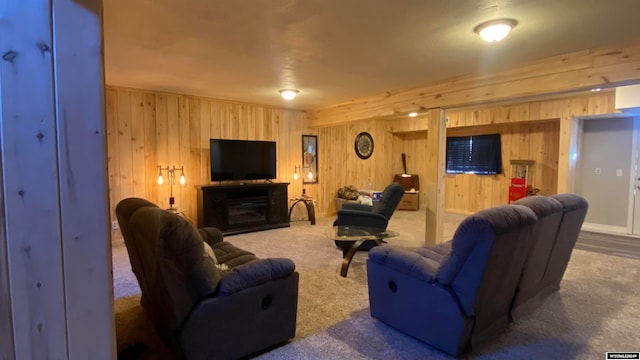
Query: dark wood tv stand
x=243, y=207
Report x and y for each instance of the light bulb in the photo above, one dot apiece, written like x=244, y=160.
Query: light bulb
x=295, y=175
x=160, y=180
x=288, y=94
x=182, y=180
x=495, y=30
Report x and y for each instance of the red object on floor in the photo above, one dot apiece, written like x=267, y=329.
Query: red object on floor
x=516, y=192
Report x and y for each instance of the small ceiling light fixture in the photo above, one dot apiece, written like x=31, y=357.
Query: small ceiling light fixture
x=596, y=90
x=495, y=30
x=288, y=94
x=413, y=114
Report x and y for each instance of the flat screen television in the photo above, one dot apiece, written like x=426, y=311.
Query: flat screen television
x=242, y=159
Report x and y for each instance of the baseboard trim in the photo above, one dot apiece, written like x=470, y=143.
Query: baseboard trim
x=608, y=229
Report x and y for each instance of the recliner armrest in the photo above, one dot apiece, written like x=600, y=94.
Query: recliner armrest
x=356, y=206
x=210, y=235
x=361, y=218
x=254, y=273
x=406, y=261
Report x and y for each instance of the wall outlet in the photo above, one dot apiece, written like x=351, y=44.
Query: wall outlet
x=618, y=172
x=114, y=225
x=598, y=171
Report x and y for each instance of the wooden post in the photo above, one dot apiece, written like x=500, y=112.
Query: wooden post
x=434, y=184
x=568, y=152
x=55, y=222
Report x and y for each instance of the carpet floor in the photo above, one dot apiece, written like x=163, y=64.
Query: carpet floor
x=597, y=309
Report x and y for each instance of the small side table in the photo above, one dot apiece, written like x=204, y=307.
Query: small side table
x=350, y=238
x=308, y=203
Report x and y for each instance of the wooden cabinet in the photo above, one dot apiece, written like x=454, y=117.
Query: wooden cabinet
x=240, y=208
x=410, y=201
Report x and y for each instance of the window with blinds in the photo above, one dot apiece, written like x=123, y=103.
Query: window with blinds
x=478, y=154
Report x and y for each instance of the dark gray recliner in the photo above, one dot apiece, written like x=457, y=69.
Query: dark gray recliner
x=560, y=219
x=224, y=305
x=532, y=289
x=574, y=211
x=374, y=216
x=456, y=295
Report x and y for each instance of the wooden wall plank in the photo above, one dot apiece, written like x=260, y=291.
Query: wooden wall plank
x=183, y=192
x=203, y=146
x=53, y=164
x=150, y=158
x=83, y=192
x=7, y=350
x=113, y=153
x=137, y=135
x=125, y=161
x=162, y=149
x=31, y=184
x=194, y=164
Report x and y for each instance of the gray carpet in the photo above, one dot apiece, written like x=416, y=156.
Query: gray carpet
x=596, y=310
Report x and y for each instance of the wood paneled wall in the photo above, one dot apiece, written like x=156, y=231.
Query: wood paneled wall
x=341, y=166
x=146, y=129
x=534, y=141
x=530, y=131
x=467, y=193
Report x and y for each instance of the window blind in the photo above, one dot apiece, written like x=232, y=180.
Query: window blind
x=478, y=154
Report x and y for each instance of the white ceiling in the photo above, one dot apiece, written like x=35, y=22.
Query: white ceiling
x=338, y=50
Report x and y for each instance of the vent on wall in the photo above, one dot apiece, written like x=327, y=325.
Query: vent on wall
x=628, y=98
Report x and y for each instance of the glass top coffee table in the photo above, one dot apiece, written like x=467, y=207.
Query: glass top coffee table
x=351, y=238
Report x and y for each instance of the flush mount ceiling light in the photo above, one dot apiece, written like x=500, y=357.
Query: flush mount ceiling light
x=288, y=94
x=413, y=114
x=495, y=30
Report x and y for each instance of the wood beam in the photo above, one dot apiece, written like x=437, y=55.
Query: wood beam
x=434, y=176
x=576, y=71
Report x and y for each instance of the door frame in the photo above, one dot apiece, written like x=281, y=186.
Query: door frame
x=635, y=173
x=576, y=158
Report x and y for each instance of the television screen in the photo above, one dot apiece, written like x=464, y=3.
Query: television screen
x=242, y=159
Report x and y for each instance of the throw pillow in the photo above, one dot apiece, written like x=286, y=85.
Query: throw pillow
x=365, y=200
x=348, y=192
x=208, y=251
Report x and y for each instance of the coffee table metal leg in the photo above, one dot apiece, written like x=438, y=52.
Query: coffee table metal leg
x=349, y=256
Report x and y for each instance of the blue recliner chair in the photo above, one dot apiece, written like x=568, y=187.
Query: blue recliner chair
x=374, y=216
x=560, y=218
x=456, y=295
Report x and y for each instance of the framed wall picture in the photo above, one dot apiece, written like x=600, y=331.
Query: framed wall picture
x=309, y=159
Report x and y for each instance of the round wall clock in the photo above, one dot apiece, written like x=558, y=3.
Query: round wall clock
x=364, y=145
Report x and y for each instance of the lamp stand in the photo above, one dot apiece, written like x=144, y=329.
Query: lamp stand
x=302, y=171
x=171, y=173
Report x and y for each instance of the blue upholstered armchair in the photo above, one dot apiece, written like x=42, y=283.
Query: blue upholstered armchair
x=455, y=295
x=374, y=216
x=560, y=218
